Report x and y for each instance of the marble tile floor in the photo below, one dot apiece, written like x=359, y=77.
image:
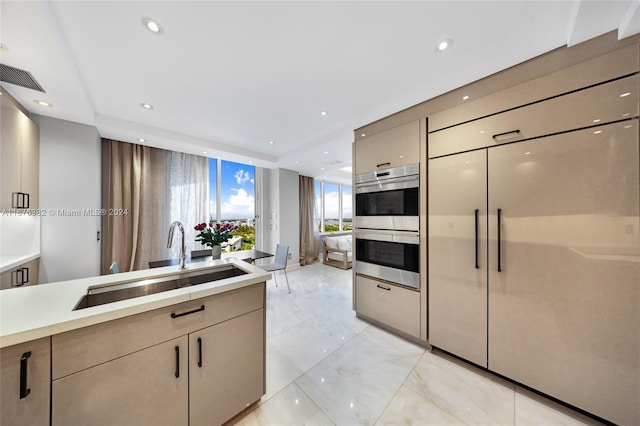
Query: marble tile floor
x=327, y=367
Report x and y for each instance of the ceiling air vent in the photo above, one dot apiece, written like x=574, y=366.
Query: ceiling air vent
x=19, y=78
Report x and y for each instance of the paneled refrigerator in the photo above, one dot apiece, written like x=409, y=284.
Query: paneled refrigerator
x=534, y=264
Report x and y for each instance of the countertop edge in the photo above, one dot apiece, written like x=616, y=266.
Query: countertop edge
x=19, y=260
x=122, y=309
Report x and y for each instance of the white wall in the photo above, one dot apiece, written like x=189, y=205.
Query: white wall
x=70, y=185
x=280, y=211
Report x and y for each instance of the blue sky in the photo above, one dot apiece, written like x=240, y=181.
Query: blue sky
x=237, y=189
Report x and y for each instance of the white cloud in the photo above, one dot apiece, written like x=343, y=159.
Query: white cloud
x=242, y=177
x=240, y=205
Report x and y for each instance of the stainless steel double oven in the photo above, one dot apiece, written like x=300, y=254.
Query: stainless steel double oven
x=387, y=225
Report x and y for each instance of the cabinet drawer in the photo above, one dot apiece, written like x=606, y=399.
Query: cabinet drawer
x=392, y=148
x=83, y=348
x=392, y=305
x=599, y=104
x=606, y=67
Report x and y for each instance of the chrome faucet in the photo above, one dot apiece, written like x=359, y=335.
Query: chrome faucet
x=183, y=256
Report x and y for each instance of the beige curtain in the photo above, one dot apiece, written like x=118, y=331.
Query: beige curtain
x=138, y=228
x=309, y=238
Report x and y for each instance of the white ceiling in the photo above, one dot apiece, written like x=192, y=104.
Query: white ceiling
x=227, y=77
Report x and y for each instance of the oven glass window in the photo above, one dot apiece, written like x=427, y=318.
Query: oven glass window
x=399, y=202
x=394, y=255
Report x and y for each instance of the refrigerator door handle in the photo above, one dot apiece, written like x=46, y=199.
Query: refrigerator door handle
x=476, y=239
x=499, y=240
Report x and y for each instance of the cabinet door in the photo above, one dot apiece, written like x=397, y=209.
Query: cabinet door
x=389, y=304
x=457, y=255
x=10, y=151
x=392, y=148
x=9, y=279
x=30, y=161
x=572, y=111
x=226, y=368
x=25, y=376
x=564, y=311
x=149, y=387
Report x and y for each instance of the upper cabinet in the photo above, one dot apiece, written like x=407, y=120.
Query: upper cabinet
x=601, y=103
x=392, y=148
x=19, y=158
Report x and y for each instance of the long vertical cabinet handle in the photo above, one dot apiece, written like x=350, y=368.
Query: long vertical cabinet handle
x=499, y=240
x=177, y=362
x=24, y=391
x=477, y=214
x=200, y=352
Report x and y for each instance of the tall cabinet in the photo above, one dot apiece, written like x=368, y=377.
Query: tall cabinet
x=19, y=191
x=534, y=245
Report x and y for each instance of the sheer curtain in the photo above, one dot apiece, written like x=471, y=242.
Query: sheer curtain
x=152, y=187
x=309, y=237
x=188, y=196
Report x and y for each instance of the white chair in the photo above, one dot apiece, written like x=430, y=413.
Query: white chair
x=280, y=263
x=114, y=268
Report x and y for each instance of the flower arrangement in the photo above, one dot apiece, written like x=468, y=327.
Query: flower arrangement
x=214, y=233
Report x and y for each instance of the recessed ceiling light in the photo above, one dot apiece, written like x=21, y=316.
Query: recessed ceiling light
x=443, y=45
x=363, y=135
x=326, y=152
x=146, y=105
x=270, y=142
x=42, y=103
x=141, y=140
x=321, y=168
x=204, y=152
x=297, y=162
x=323, y=113
x=152, y=25
x=625, y=94
x=465, y=97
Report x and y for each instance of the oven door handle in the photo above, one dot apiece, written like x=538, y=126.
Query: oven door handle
x=390, y=184
x=408, y=237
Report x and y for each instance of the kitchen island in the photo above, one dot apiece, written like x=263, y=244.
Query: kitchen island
x=191, y=355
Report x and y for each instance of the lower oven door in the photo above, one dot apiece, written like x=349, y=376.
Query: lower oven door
x=392, y=256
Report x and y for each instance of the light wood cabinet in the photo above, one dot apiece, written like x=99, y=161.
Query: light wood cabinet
x=594, y=71
x=392, y=148
x=148, y=387
x=216, y=371
x=19, y=157
x=533, y=247
x=22, y=275
x=616, y=100
x=226, y=368
x=25, y=377
x=394, y=306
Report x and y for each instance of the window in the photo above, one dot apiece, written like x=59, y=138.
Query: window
x=333, y=204
x=232, y=199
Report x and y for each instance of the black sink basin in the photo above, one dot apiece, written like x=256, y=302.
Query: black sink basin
x=99, y=295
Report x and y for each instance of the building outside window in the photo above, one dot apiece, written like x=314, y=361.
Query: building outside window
x=233, y=184
x=333, y=204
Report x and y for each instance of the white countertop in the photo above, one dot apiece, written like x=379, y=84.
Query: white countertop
x=32, y=312
x=9, y=262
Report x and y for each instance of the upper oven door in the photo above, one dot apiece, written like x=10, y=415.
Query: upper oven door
x=390, y=205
